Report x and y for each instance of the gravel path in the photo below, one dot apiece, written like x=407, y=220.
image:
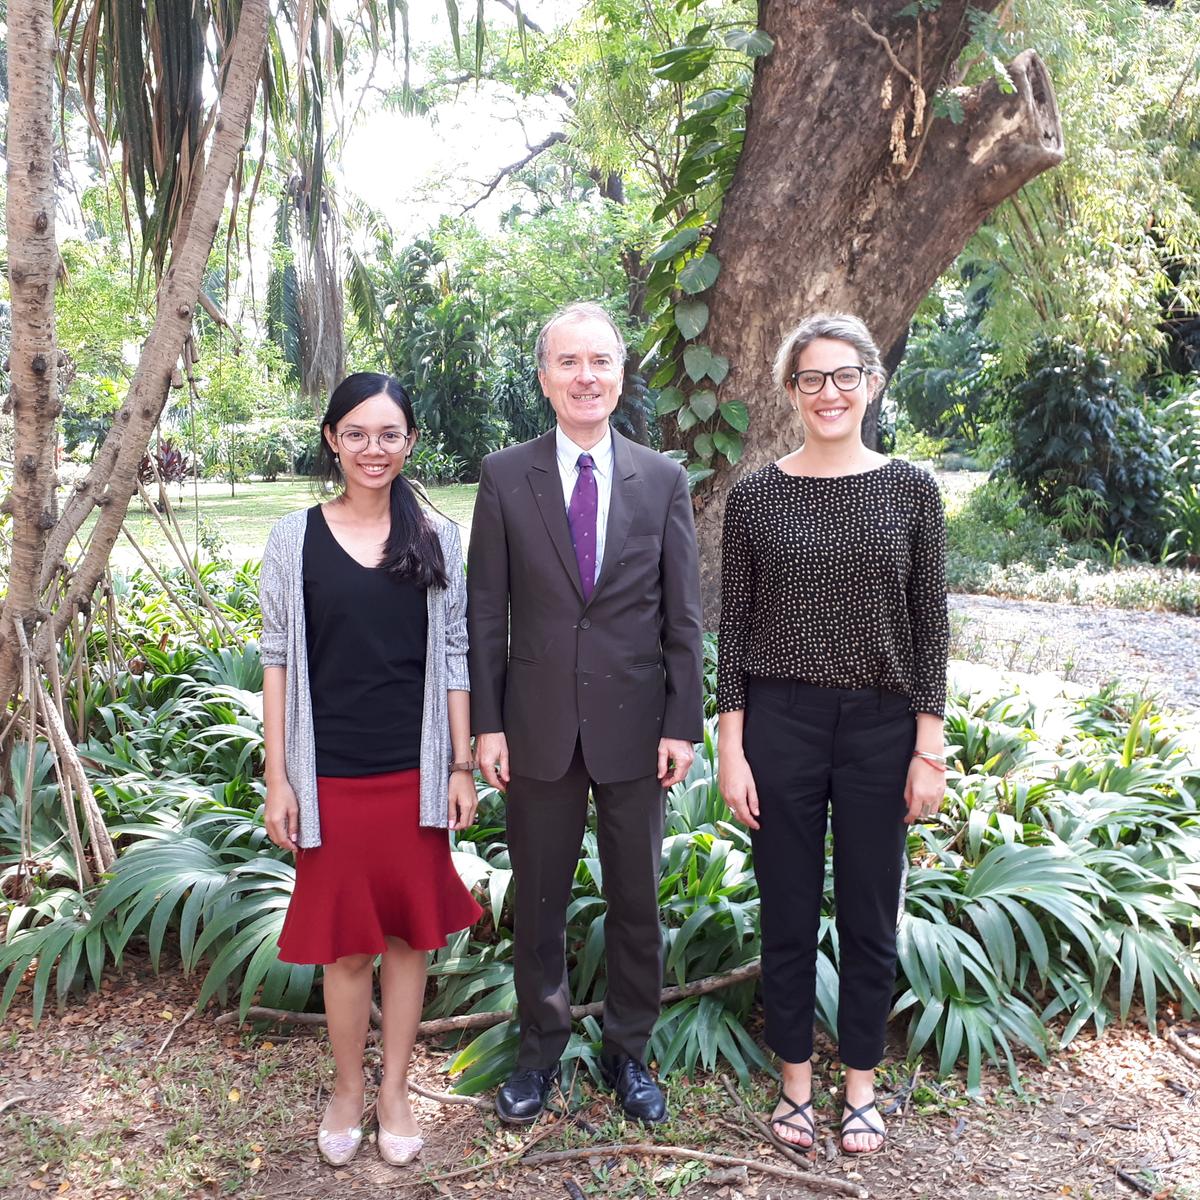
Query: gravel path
x=1157, y=652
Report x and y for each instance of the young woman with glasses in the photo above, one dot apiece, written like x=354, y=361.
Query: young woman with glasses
x=368, y=762
x=831, y=685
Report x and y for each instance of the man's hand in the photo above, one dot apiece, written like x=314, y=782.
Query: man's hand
x=463, y=799
x=674, y=760
x=491, y=752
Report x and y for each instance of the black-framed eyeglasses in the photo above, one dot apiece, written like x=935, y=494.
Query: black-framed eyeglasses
x=390, y=441
x=845, y=379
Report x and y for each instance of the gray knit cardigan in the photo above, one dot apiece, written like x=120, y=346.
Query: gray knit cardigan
x=281, y=596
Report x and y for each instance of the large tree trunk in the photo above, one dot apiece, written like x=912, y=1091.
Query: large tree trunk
x=111, y=481
x=840, y=203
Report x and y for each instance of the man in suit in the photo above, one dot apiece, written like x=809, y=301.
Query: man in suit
x=584, y=619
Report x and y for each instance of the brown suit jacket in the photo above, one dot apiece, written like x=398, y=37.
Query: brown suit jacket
x=616, y=674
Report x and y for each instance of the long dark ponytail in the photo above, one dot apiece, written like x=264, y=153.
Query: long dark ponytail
x=412, y=550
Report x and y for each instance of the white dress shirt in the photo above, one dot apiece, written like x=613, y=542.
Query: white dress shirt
x=568, y=454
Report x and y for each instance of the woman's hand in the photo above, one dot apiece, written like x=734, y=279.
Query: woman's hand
x=463, y=799
x=924, y=790
x=736, y=782
x=282, y=816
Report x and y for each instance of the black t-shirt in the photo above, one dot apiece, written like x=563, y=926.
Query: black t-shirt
x=366, y=634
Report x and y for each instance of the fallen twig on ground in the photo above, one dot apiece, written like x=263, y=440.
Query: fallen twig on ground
x=818, y=1183
x=701, y=987
x=434, y=1028
x=1191, y=1055
x=906, y=1097
x=255, y=1013
x=12, y=1102
x=1138, y=1185
x=448, y=1097
x=498, y=1160
x=187, y=1016
x=795, y=1153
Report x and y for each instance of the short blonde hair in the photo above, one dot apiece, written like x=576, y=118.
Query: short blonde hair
x=837, y=327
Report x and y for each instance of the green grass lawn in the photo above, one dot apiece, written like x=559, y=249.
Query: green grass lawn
x=236, y=527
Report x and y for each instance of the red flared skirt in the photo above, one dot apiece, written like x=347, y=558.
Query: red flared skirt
x=376, y=874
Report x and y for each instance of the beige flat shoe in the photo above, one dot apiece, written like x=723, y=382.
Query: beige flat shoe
x=397, y=1149
x=339, y=1146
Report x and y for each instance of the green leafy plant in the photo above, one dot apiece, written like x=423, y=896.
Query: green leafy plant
x=1057, y=891
x=686, y=371
x=433, y=464
x=1076, y=425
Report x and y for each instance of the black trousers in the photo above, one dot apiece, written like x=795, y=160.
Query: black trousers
x=812, y=750
x=546, y=822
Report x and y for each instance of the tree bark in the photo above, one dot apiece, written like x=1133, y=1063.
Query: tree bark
x=32, y=269
x=847, y=197
x=111, y=481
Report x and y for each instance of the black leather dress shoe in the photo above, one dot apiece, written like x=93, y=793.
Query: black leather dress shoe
x=522, y=1096
x=640, y=1096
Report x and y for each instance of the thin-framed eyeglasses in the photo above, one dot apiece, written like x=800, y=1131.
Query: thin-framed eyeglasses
x=845, y=379
x=390, y=441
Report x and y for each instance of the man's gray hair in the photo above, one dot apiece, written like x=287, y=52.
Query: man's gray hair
x=837, y=327
x=581, y=310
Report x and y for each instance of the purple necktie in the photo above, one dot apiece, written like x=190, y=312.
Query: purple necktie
x=581, y=517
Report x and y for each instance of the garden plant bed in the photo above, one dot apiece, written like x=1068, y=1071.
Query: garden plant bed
x=95, y=1107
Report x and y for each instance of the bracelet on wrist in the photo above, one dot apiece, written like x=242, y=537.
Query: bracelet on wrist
x=466, y=765
x=936, y=761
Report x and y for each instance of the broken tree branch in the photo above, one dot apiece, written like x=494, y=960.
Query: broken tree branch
x=816, y=1183
x=1191, y=1055
x=442, y=1025
x=793, y=1151
x=553, y=140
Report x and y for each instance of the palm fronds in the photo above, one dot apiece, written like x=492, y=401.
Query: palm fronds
x=1058, y=891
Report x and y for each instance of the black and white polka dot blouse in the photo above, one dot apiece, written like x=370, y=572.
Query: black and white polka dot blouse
x=836, y=582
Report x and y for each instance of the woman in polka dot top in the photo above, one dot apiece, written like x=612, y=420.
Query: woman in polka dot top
x=831, y=685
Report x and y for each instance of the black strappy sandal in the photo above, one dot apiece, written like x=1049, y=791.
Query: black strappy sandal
x=800, y=1118
x=860, y=1115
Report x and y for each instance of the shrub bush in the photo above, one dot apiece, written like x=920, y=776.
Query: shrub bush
x=947, y=384
x=1076, y=425
x=1058, y=886
x=998, y=547
x=432, y=464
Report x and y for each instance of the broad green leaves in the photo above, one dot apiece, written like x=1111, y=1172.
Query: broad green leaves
x=754, y=42
x=699, y=274
x=691, y=317
x=1058, y=891
x=675, y=243
x=700, y=363
x=685, y=267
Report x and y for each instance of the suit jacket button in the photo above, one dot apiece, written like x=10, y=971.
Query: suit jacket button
x=585, y=623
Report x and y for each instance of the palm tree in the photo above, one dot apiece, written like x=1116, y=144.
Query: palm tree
x=146, y=73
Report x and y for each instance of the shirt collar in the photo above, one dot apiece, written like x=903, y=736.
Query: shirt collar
x=568, y=452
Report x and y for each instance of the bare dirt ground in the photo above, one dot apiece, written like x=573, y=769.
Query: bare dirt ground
x=1154, y=652
x=92, y=1105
